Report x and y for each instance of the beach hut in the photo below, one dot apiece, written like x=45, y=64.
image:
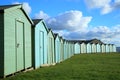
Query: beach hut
x=69, y=53
x=82, y=47
x=40, y=31
x=88, y=48
x=57, y=48
x=93, y=46
x=73, y=48
x=106, y=48
x=70, y=48
x=61, y=49
x=114, y=48
x=65, y=49
x=15, y=39
x=77, y=47
x=98, y=48
x=110, y=48
x=51, y=54
x=102, y=48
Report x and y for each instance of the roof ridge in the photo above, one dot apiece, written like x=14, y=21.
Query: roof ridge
x=2, y=7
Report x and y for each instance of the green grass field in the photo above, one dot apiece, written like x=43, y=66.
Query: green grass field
x=78, y=67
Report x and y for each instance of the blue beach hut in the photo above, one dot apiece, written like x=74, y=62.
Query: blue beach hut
x=77, y=47
x=114, y=48
x=57, y=47
x=107, y=48
x=102, y=48
x=88, y=48
x=40, y=31
x=65, y=49
x=98, y=48
x=82, y=47
x=61, y=49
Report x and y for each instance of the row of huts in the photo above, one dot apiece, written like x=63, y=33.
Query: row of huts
x=27, y=43
x=93, y=46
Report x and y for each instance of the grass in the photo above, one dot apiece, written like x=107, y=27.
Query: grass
x=78, y=67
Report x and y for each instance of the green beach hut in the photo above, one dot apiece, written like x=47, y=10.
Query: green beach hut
x=15, y=39
x=51, y=54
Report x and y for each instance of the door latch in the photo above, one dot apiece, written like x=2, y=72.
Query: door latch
x=17, y=45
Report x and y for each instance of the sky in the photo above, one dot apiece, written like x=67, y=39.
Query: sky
x=77, y=19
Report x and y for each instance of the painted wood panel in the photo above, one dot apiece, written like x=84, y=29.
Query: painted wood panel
x=77, y=48
x=73, y=49
x=93, y=48
x=83, y=47
x=107, y=48
x=40, y=31
x=11, y=16
x=88, y=48
x=20, y=61
x=57, y=48
x=69, y=50
x=102, y=48
x=51, y=54
x=98, y=46
x=61, y=49
x=65, y=49
x=67, y=45
x=114, y=48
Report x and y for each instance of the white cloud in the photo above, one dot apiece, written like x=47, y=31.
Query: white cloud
x=70, y=20
x=101, y=29
x=104, y=33
x=62, y=33
x=26, y=6
x=97, y=3
x=106, y=9
x=41, y=15
x=73, y=25
x=106, y=6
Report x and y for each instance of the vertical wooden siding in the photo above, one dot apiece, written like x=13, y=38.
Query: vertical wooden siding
x=10, y=40
x=77, y=48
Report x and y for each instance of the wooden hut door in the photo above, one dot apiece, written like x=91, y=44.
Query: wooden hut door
x=41, y=44
x=57, y=51
x=19, y=46
x=50, y=51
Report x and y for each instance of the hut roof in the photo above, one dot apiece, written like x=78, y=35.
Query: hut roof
x=95, y=41
x=55, y=35
x=36, y=21
x=2, y=7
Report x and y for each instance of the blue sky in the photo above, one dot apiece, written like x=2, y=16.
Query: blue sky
x=77, y=19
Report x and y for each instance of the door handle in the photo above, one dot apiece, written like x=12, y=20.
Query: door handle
x=17, y=45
